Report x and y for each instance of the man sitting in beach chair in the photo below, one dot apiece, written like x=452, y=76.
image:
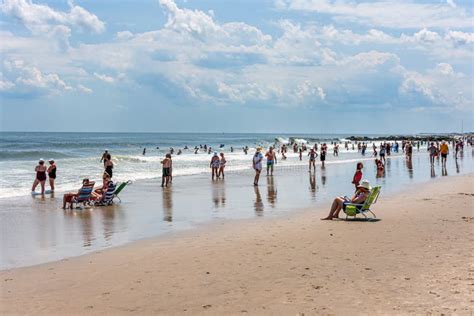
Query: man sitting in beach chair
x=358, y=200
x=83, y=195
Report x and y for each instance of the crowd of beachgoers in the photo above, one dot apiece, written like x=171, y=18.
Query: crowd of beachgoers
x=437, y=150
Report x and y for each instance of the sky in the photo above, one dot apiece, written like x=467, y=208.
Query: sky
x=304, y=66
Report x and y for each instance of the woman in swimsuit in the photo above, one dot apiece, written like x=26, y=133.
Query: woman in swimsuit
x=340, y=202
x=52, y=174
x=109, y=165
x=214, y=165
x=40, y=176
x=222, y=166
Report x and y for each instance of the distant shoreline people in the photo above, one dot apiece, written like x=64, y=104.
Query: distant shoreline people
x=104, y=156
x=40, y=178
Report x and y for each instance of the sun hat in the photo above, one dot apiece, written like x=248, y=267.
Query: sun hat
x=215, y=153
x=41, y=160
x=51, y=160
x=365, y=184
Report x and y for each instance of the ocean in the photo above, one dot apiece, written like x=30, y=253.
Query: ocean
x=77, y=155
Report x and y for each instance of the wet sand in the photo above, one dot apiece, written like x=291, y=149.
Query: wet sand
x=36, y=230
x=416, y=259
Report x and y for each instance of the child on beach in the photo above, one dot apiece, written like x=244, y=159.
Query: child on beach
x=222, y=166
x=271, y=160
x=214, y=165
x=257, y=165
x=40, y=170
x=165, y=179
x=52, y=173
x=357, y=175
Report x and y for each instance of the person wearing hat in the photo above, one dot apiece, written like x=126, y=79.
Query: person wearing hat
x=257, y=164
x=339, y=203
x=214, y=165
x=52, y=173
x=40, y=176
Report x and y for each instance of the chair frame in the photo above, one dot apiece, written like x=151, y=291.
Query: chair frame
x=365, y=207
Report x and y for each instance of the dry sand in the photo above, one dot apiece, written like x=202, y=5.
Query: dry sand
x=416, y=259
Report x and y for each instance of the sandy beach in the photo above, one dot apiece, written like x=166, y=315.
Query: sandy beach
x=416, y=259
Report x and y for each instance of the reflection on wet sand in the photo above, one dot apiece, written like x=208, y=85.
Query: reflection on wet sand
x=409, y=166
x=323, y=176
x=312, y=184
x=258, y=204
x=85, y=215
x=271, y=191
x=168, y=204
x=108, y=221
x=457, y=166
x=433, y=174
x=218, y=194
x=444, y=171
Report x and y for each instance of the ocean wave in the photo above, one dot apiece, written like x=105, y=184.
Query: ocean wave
x=32, y=155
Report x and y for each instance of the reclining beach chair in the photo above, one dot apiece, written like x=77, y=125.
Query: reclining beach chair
x=354, y=209
x=84, y=195
x=108, y=196
x=119, y=189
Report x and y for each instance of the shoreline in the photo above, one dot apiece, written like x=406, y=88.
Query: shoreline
x=279, y=264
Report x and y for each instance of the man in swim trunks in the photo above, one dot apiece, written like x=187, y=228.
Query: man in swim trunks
x=271, y=160
x=165, y=179
x=257, y=165
x=444, y=150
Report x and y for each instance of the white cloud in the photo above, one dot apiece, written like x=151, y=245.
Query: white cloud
x=104, y=78
x=84, y=89
x=26, y=75
x=460, y=38
x=5, y=84
x=40, y=18
x=391, y=14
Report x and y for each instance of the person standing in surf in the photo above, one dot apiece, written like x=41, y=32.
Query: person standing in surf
x=312, y=159
x=40, y=170
x=109, y=165
x=165, y=179
x=104, y=156
x=271, y=160
x=257, y=165
x=222, y=166
x=322, y=154
x=214, y=165
x=51, y=174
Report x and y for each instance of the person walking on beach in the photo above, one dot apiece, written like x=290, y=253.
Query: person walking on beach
x=109, y=165
x=40, y=170
x=165, y=179
x=382, y=153
x=222, y=166
x=312, y=159
x=214, y=165
x=432, y=150
x=322, y=154
x=51, y=173
x=444, y=150
x=271, y=160
x=357, y=175
x=257, y=165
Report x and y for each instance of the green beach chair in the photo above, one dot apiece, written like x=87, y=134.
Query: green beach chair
x=354, y=209
x=119, y=189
